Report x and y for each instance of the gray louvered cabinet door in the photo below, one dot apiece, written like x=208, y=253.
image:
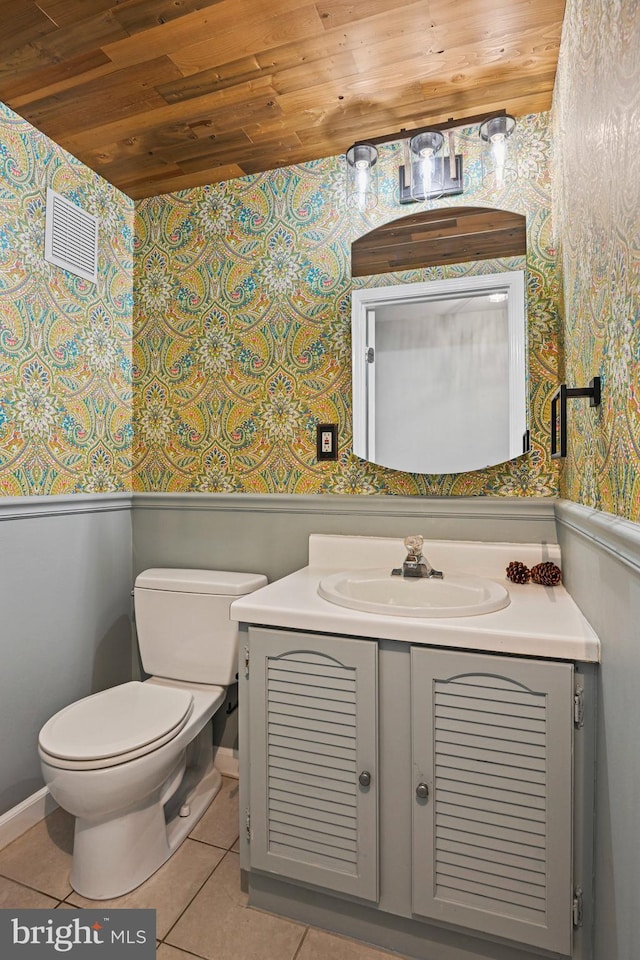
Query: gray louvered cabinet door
x=313, y=706
x=492, y=741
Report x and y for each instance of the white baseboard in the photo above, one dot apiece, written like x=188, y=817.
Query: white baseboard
x=20, y=818
x=226, y=761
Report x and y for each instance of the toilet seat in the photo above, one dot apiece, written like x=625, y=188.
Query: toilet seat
x=114, y=726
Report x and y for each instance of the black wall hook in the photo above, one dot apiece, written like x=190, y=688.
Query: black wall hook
x=559, y=413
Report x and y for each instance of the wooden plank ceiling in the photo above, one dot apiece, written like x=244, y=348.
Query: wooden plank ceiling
x=159, y=95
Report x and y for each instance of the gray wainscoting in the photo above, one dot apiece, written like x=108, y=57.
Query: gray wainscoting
x=65, y=582
x=601, y=566
x=66, y=574
x=268, y=533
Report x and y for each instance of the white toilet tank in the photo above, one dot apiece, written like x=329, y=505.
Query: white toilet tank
x=183, y=625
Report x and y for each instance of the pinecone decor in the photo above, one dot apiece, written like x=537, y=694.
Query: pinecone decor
x=517, y=572
x=548, y=574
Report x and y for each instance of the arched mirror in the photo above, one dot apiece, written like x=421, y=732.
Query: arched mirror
x=439, y=367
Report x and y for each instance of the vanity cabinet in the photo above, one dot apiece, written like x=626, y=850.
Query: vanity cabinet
x=466, y=821
x=313, y=748
x=491, y=746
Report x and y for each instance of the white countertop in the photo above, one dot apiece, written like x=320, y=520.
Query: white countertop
x=539, y=621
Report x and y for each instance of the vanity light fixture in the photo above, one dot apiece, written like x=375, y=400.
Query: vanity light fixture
x=427, y=166
x=559, y=413
x=427, y=172
x=362, y=182
x=499, y=165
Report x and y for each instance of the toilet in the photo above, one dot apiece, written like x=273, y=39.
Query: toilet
x=134, y=763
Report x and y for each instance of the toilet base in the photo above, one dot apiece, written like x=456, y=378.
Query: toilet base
x=115, y=856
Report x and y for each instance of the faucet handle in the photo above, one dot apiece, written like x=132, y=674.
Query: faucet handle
x=413, y=544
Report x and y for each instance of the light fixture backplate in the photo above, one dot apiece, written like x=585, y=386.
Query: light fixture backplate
x=451, y=187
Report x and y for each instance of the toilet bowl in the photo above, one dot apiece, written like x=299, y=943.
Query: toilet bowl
x=134, y=763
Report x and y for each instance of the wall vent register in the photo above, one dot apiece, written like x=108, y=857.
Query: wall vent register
x=71, y=237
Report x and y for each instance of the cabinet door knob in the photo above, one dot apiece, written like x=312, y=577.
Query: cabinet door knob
x=422, y=791
x=365, y=778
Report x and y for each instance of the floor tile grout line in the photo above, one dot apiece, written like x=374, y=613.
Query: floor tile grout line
x=189, y=952
x=186, y=907
x=207, y=843
x=28, y=886
x=300, y=945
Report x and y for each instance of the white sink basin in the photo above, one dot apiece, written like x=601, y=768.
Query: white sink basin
x=376, y=591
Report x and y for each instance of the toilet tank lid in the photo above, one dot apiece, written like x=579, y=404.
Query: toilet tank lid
x=222, y=582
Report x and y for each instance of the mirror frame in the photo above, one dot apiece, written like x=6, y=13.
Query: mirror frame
x=367, y=298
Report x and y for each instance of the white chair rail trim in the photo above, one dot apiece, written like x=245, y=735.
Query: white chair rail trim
x=508, y=508
x=616, y=535
x=21, y=508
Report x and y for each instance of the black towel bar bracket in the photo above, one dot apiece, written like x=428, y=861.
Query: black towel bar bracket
x=559, y=413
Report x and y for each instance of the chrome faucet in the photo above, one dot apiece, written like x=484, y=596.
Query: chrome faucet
x=416, y=564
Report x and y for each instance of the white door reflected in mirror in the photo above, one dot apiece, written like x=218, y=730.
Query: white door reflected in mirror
x=439, y=373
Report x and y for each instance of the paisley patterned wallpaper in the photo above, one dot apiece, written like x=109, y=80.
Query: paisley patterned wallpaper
x=597, y=201
x=242, y=330
x=65, y=344
x=242, y=317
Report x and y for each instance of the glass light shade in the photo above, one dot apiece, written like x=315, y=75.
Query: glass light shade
x=426, y=165
x=362, y=182
x=499, y=154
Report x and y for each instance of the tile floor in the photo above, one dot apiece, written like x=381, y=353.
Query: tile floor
x=200, y=910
